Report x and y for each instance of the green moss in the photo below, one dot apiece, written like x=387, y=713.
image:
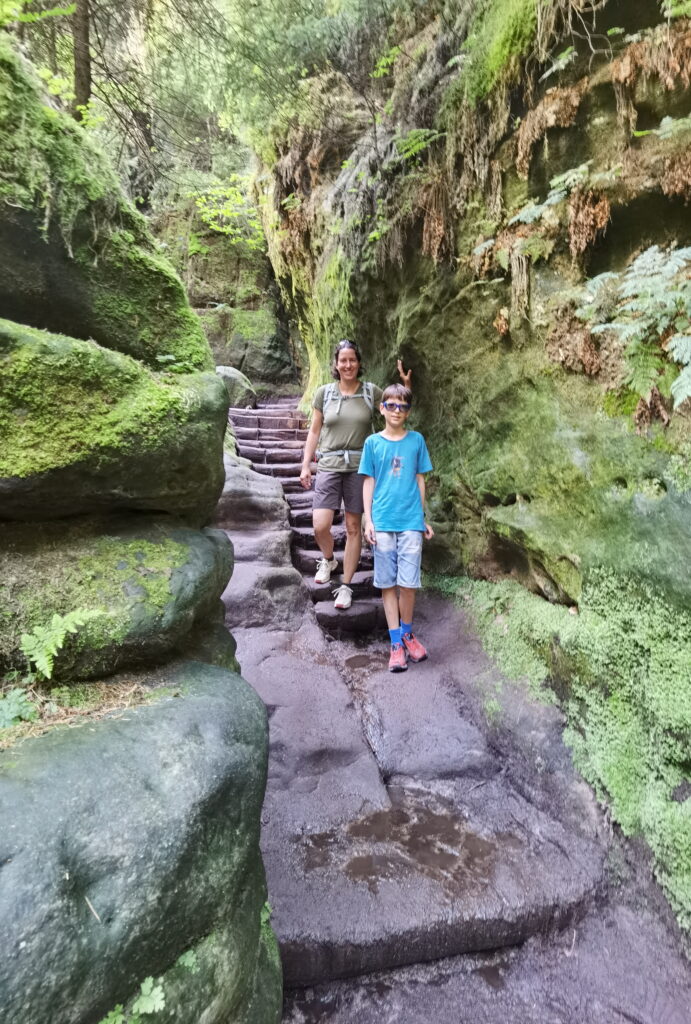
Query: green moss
x=623, y=669
x=620, y=403
x=62, y=401
x=128, y=580
x=63, y=202
x=40, y=147
x=501, y=34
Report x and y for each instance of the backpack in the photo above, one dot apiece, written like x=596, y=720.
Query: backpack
x=333, y=394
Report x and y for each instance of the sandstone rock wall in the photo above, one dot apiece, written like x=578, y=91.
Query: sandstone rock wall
x=132, y=837
x=461, y=232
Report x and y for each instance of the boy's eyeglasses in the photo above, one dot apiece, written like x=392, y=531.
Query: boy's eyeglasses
x=396, y=406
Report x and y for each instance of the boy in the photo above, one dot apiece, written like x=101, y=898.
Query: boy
x=393, y=463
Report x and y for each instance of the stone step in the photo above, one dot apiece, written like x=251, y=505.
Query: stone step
x=267, y=454
x=268, y=436
x=363, y=617
x=288, y=469
x=303, y=537
x=306, y=561
x=290, y=409
x=292, y=485
x=300, y=500
x=247, y=418
x=361, y=584
x=303, y=516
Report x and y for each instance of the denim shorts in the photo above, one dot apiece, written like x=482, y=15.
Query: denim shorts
x=397, y=558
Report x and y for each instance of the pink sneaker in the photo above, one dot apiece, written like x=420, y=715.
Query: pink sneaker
x=414, y=649
x=397, y=660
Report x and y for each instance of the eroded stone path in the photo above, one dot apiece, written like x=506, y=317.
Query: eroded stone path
x=452, y=865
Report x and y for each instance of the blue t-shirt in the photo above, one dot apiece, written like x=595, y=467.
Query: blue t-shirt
x=396, y=504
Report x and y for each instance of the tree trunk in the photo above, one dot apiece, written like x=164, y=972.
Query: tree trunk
x=82, y=58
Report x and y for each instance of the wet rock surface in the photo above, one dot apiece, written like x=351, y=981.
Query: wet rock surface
x=430, y=826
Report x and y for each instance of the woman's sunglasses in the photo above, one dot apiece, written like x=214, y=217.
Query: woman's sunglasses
x=396, y=406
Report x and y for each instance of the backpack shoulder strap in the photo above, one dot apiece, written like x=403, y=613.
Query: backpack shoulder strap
x=332, y=394
x=368, y=395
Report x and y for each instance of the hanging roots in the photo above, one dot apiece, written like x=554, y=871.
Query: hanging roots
x=665, y=54
x=437, y=227
x=520, y=284
x=652, y=409
x=588, y=216
x=570, y=344
x=676, y=177
x=557, y=109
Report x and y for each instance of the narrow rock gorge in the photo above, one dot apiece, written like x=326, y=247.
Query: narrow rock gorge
x=218, y=806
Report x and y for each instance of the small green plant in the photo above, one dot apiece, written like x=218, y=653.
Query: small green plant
x=492, y=709
x=16, y=707
x=229, y=210
x=189, y=961
x=560, y=62
x=195, y=246
x=560, y=187
x=676, y=8
x=42, y=645
x=416, y=141
x=386, y=62
x=291, y=202
x=648, y=308
x=151, y=999
x=668, y=128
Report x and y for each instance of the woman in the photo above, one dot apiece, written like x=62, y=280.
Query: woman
x=341, y=420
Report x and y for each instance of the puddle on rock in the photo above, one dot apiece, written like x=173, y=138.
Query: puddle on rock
x=368, y=661
x=413, y=837
x=492, y=975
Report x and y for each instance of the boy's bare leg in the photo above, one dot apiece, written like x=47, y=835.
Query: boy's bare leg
x=389, y=598
x=353, y=547
x=406, y=603
x=322, y=519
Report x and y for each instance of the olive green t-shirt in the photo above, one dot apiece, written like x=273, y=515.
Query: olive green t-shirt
x=346, y=426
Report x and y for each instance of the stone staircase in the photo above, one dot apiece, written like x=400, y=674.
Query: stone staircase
x=272, y=438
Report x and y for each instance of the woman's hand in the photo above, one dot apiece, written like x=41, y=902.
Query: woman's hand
x=306, y=477
x=405, y=376
x=429, y=532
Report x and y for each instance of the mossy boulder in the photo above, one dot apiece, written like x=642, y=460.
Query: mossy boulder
x=132, y=852
x=75, y=256
x=251, y=340
x=151, y=580
x=84, y=428
x=239, y=388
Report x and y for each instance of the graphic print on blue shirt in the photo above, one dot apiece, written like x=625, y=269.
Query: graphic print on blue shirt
x=394, y=465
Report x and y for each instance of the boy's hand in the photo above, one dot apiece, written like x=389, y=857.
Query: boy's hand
x=429, y=532
x=405, y=376
x=370, y=534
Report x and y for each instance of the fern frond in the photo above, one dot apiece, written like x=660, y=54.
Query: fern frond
x=681, y=387
x=645, y=365
x=41, y=647
x=679, y=348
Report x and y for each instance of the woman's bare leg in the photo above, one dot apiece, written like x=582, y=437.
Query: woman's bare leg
x=353, y=548
x=322, y=520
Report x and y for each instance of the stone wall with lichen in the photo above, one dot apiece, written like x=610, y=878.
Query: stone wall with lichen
x=233, y=292
x=485, y=226
x=118, y=679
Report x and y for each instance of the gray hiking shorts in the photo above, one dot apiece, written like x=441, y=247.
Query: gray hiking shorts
x=330, y=489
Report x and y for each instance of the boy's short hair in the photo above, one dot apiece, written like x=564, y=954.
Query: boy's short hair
x=397, y=393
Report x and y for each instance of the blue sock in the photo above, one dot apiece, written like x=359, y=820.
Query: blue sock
x=406, y=627
x=395, y=635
